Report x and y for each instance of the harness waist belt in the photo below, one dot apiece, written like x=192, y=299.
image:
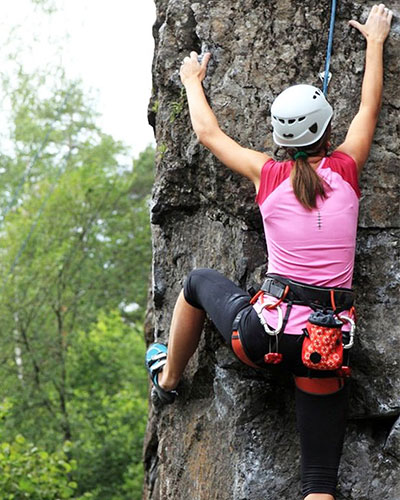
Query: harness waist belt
x=317, y=297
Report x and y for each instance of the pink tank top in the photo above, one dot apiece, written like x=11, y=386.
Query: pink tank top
x=313, y=246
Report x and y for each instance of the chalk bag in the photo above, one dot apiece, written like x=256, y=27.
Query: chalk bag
x=323, y=344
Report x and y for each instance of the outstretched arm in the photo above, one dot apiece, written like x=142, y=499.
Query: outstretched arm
x=242, y=160
x=361, y=131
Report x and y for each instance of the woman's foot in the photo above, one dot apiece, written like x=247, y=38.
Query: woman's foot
x=156, y=358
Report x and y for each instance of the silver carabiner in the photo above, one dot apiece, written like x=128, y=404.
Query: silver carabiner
x=347, y=319
x=267, y=329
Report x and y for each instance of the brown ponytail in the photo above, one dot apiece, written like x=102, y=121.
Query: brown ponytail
x=306, y=183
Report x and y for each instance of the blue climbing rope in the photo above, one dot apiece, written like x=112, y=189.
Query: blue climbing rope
x=329, y=48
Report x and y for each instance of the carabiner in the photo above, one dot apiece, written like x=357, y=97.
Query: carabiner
x=267, y=329
x=347, y=319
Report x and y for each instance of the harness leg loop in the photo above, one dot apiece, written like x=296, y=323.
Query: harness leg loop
x=319, y=386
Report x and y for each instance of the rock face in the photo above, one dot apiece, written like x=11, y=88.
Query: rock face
x=231, y=435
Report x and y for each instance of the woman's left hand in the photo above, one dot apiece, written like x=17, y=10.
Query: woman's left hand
x=191, y=68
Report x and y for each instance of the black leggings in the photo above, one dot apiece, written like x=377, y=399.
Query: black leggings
x=321, y=419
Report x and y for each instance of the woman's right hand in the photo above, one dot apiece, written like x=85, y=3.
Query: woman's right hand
x=361, y=131
x=191, y=68
x=377, y=26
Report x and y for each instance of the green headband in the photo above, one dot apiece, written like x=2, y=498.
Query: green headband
x=300, y=154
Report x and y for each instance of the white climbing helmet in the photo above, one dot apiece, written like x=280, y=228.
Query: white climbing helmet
x=300, y=115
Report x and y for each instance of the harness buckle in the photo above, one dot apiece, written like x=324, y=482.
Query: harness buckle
x=274, y=288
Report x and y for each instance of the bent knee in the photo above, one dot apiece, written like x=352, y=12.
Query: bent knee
x=194, y=280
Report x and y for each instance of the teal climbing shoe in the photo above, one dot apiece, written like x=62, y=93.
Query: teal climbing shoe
x=156, y=357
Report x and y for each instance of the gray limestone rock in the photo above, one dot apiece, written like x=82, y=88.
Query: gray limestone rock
x=231, y=435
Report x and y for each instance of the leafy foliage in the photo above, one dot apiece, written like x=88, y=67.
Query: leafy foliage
x=106, y=374
x=75, y=259
x=27, y=472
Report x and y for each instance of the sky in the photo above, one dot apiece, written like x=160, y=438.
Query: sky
x=109, y=46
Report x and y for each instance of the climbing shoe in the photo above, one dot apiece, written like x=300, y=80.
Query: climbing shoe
x=156, y=357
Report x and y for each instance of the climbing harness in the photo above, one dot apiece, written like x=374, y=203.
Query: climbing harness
x=323, y=341
x=320, y=386
x=317, y=297
x=271, y=357
x=326, y=75
x=237, y=344
x=323, y=338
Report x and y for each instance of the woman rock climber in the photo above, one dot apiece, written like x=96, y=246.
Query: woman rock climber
x=309, y=206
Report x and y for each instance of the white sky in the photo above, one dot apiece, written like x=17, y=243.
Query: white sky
x=110, y=46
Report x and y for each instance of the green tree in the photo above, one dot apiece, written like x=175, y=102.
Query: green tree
x=75, y=260
x=28, y=472
x=108, y=408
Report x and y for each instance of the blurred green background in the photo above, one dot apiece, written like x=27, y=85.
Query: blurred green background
x=74, y=271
